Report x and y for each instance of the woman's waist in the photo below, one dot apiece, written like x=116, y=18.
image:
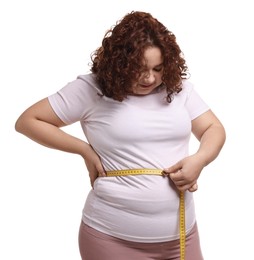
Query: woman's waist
x=147, y=193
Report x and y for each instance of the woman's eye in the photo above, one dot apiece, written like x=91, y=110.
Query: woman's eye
x=158, y=69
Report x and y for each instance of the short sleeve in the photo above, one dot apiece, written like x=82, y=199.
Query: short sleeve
x=194, y=103
x=72, y=102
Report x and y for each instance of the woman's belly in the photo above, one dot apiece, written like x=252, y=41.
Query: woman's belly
x=140, y=208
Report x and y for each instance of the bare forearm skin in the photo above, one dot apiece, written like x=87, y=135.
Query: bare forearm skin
x=51, y=136
x=40, y=123
x=211, y=143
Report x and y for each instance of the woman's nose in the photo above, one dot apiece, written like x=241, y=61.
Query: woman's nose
x=149, y=77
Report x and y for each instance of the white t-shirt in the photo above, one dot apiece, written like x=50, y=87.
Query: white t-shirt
x=139, y=132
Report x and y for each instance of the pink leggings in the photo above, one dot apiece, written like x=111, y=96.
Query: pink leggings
x=95, y=245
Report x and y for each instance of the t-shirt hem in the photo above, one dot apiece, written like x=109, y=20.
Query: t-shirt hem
x=137, y=239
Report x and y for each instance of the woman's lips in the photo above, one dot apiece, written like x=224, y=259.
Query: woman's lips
x=146, y=86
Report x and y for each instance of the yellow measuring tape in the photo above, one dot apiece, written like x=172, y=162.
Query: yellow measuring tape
x=181, y=200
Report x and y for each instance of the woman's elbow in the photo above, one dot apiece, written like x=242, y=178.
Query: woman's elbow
x=19, y=125
x=22, y=123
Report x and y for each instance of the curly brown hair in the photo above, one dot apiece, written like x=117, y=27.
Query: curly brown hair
x=118, y=62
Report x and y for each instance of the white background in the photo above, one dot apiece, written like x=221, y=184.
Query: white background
x=45, y=44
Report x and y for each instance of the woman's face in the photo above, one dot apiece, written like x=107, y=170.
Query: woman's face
x=151, y=77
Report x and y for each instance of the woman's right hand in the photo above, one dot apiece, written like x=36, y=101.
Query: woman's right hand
x=94, y=165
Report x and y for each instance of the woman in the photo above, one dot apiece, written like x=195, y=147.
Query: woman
x=137, y=110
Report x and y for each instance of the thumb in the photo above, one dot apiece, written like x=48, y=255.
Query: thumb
x=101, y=171
x=193, y=188
x=174, y=168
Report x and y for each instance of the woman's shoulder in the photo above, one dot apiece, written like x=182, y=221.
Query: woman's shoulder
x=87, y=78
x=88, y=82
x=83, y=89
x=187, y=86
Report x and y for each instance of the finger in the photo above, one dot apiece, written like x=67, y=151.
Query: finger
x=101, y=172
x=182, y=187
x=193, y=188
x=174, y=168
x=177, y=176
x=91, y=183
x=93, y=175
x=186, y=187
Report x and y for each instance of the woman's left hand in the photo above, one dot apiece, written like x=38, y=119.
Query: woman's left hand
x=185, y=173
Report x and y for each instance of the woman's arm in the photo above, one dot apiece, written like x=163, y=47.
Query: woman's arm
x=40, y=123
x=210, y=132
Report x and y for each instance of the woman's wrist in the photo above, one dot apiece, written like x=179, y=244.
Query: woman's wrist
x=202, y=158
x=86, y=149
